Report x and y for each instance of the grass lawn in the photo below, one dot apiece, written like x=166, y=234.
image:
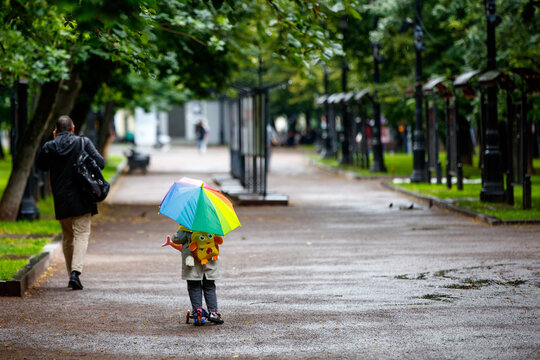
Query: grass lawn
x=9, y=267
x=111, y=165
x=397, y=165
x=400, y=165
x=21, y=239
x=469, y=199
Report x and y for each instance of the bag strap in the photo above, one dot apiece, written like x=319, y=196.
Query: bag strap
x=82, y=145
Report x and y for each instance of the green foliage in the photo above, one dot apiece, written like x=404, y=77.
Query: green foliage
x=454, y=32
x=34, y=41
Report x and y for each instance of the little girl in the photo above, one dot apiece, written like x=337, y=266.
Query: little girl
x=200, y=278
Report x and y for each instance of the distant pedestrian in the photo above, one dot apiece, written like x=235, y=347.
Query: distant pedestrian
x=201, y=133
x=200, y=274
x=72, y=208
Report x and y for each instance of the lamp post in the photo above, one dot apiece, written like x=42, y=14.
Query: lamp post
x=378, y=160
x=328, y=149
x=419, y=150
x=492, y=176
x=346, y=156
x=28, y=209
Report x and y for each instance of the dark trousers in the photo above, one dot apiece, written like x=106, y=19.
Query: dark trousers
x=196, y=288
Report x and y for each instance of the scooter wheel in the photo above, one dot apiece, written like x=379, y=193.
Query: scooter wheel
x=199, y=318
x=187, y=317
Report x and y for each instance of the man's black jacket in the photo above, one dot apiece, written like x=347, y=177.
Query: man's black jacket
x=59, y=156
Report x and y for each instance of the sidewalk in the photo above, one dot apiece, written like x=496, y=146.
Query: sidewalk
x=338, y=274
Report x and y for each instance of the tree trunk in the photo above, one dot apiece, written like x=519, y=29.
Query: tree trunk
x=55, y=99
x=104, y=132
x=94, y=72
x=82, y=108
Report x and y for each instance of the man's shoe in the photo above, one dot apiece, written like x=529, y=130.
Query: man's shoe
x=74, y=281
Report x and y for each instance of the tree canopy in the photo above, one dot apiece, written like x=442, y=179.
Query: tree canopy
x=79, y=54
x=454, y=33
x=76, y=54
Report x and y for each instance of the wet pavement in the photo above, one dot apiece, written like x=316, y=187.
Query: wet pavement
x=338, y=274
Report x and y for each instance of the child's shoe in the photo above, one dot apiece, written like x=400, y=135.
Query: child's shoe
x=199, y=317
x=215, y=317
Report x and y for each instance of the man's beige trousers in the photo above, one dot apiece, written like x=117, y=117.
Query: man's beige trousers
x=76, y=232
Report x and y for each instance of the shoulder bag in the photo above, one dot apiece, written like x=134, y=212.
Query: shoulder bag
x=92, y=183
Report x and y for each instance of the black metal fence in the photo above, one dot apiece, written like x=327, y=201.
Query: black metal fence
x=248, y=139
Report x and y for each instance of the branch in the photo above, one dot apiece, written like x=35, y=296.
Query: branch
x=161, y=27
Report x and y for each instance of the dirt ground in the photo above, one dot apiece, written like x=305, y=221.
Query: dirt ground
x=337, y=274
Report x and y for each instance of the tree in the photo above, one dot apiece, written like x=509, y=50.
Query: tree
x=28, y=32
x=55, y=46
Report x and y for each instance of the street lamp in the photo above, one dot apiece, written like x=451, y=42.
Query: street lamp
x=419, y=151
x=492, y=176
x=346, y=156
x=328, y=148
x=378, y=160
x=28, y=209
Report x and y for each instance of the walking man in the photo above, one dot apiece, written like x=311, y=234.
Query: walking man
x=72, y=208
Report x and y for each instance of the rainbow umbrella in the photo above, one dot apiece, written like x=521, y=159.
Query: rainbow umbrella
x=199, y=207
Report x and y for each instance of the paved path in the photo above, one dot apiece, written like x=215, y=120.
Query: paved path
x=338, y=274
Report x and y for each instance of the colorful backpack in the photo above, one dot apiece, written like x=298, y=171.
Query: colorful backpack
x=205, y=246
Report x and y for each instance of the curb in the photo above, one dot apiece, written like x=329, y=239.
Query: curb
x=31, y=272
x=488, y=219
x=37, y=264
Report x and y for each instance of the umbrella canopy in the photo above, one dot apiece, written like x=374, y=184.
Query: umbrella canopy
x=199, y=207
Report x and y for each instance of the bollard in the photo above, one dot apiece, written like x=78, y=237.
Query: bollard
x=509, y=188
x=527, y=191
x=459, y=176
x=448, y=175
